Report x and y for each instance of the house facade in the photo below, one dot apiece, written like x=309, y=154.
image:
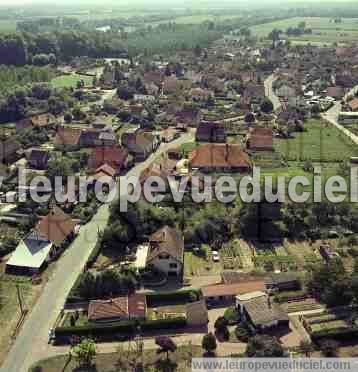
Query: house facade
x=166, y=251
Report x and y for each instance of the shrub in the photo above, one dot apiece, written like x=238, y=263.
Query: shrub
x=232, y=316
x=111, y=330
x=36, y=369
x=288, y=295
x=242, y=333
x=190, y=295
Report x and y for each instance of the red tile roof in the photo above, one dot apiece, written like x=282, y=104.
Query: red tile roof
x=56, y=226
x=168, y=241
x=114, y=156
x=109, y=309
x=133, y=306
x=233, y=289
x=68, y=136
x=335, y=92
x=219, y=156
x=260, y=139
x=104, y=170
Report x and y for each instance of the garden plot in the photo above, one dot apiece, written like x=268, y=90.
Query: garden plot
x=331, y=322
x=309, y=304
x=271, y=260
x=166, y=312
x=302, y=252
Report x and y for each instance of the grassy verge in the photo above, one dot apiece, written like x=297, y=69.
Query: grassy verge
x=121, y=361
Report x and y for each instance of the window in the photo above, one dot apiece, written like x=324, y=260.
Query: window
x=173, y=265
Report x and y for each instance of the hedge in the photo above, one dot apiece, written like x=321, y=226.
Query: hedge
x=338, y=334
x=290, y=295
x=125, y=328
x=175, y=296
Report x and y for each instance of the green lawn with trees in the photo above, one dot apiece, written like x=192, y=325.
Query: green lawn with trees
x=125, y=360
x=71, y=81
x=319, y=142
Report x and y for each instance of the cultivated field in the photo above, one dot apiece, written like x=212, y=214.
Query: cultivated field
x=7, y=26
x=324, y=30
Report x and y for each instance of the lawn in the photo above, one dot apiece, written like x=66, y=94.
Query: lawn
x=197, y=266
x=181, y=360
x=70, y=81
x=9, y=309
x=81, y=321
x=320, y=142
x=7, y=26
x=186, y=148
x=324, y=31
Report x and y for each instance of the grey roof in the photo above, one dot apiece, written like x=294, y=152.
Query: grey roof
x=262, y=312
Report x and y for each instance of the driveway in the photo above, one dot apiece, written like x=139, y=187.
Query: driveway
x=269, y=92
x=31, y=343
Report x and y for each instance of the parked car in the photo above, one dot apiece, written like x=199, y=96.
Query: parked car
x=215, y=256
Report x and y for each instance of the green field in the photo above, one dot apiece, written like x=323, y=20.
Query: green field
x=70, y=81
x=195, y=19
x=7, y=26
x=325, y=31
x=321, y=142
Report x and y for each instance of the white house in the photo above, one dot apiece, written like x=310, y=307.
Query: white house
x=166, y=251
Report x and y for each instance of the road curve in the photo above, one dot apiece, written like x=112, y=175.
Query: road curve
x=269, y=92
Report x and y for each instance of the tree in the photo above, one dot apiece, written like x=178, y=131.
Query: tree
x=67, y=117
x=209, y=343
x=267, y=106
x=331, y=283
x=263, y=346
x=315, y=110
x=197, y=50
x=329, y=348
x=166, y=345
x=274, y=35
x=85, y=352
x=306, y=348
x=221, y=327
x=78, y=114
x=40, y=60
x=249, y=118
x=59, y=166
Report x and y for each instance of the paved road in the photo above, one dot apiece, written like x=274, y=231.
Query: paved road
x=332, y=116
x=270, y=93
x=32, y=339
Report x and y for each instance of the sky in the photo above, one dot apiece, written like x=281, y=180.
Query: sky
x=142, y=2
